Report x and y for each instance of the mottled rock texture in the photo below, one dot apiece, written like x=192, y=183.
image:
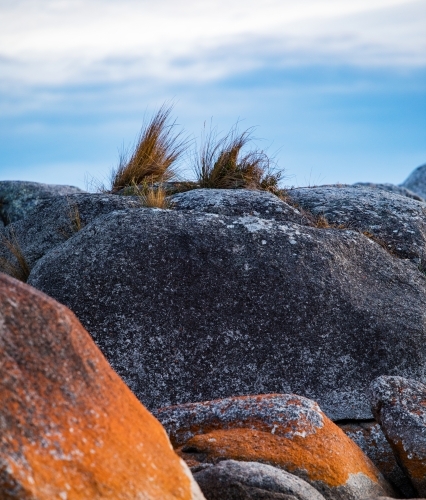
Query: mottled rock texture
x=232, y=480
x=283, y=430
x=392, y=188
x=17, y=198
x=396, y=222
x=399, y=405
x=239, y=202
x=370, y=438
x=416, y=181
x=57, y=219
x=70, y=428
x=194, y=306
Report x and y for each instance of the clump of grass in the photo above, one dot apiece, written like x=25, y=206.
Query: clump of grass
x=222, y=164
x=156, y=151
x=75, y=222
x=152, y=196
x=15, y=266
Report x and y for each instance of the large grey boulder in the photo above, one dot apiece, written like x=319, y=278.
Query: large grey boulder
x=396, y=222
x=416, y=181
x=17, y=198
x=392, y=188
x=57, y=219
x=399, y=405
x=194, y=306
x=233, y=480
x=240, y=202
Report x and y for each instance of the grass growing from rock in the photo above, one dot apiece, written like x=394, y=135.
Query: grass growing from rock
x=156, y=152
x=152, y=196
x=222, y=163
x=16, y=265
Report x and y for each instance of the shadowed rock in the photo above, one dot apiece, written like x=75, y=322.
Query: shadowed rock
x=399, y=405
x=234, y=480
x=17, y=198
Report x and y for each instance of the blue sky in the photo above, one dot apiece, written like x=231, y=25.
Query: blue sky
x=336, y=91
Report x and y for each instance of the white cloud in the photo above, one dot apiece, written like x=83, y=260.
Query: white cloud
x=79, y=41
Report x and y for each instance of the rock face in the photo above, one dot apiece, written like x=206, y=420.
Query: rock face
x=234, y=480
x=416, y=181
x=283, y=430
x=17, y=198
x=57, y=219
x=392, y=188
x=400, y=407
x=370, y=438
x=70, y=427
x=193, y=306
x=238, y=202
x=395, y=221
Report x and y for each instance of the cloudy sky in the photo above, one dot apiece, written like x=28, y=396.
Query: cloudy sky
x=336, y=89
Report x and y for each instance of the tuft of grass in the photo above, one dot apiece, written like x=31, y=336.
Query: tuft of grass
x=75, y=222
x=222, y=164
x=152, y=196
x=15, y=266
x=156, y=151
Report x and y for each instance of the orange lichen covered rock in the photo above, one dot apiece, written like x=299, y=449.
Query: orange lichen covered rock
x=284, y=430
x=70, y=428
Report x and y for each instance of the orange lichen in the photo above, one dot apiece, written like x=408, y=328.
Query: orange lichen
x=72, y=428
x=327, y=455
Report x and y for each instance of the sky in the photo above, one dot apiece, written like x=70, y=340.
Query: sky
x=335, y=89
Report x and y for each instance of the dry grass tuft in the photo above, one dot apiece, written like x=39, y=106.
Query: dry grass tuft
x=15, y=266
x=157, y=149
x=221, y=163
x=152, y=196
x=389, y=248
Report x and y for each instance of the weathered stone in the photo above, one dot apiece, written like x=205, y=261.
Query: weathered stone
x=396, y=222
x=399, y=405
x=416, y=181
x=393, y=188
x=17, y=198
x=239, y=202
x=370, y=438
x=283, y=430
x=57, y=219
x=232, y=480
x=70, y=428
x=192, y=307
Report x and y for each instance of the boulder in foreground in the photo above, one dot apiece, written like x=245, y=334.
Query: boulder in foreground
x=399, y=405
x=70, y=428
x=232, y=480
x=283, y=430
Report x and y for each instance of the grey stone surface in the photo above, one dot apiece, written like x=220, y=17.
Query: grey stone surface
x=370, y=438
x=398, y=222
x=399, y=405
x=54, y=221
x=392, y=188
x=192, y=306
x=17, y=198
x=238, y=202
x=416, y=181
x=234, y=480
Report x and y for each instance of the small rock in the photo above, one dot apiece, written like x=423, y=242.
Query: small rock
x=283, y=430
x=238, y=202
x=70, y=428
x=234, y=480
x=370, y=438
x=17, y=198
x=399, y=405
x=416, y=181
